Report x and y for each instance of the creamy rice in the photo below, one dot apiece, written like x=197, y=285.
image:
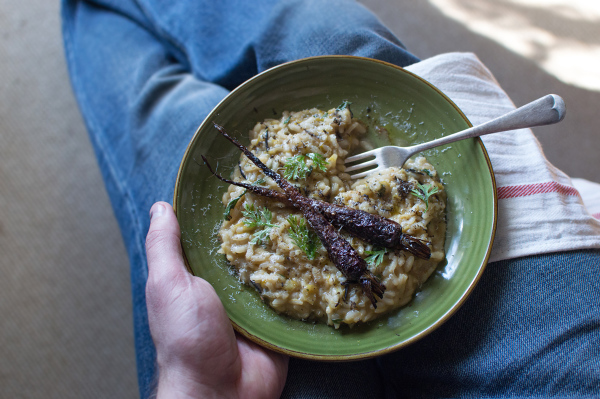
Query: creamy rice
x=311, y=289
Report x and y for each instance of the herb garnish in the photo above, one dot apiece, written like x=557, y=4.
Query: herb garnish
x=375, y=256
x=259, y=219
x=261, y=236
x=345, y=104
x=232, y=203
x=424, y=192
x=296, y=167
x=306, y=239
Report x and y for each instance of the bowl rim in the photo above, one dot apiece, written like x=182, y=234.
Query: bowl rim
x=391, y=348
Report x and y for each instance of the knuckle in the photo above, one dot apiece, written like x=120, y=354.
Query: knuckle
x=155, y=239
x=159, y=239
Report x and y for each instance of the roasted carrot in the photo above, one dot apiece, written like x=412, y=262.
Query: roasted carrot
x=371, y=228
x=340, y=252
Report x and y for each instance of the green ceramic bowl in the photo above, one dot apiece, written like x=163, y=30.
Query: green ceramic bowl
x=413, y=111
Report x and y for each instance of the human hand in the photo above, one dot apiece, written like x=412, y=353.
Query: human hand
x=199, y=355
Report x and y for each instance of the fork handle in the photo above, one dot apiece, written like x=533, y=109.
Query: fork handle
x=543, y=111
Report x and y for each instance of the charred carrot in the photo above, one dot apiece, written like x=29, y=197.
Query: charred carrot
x=371, y=228
x=340, y=252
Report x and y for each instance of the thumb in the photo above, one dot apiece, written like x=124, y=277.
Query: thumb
x=163, y=247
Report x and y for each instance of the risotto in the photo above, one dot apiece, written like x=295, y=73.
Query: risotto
x=271, y=248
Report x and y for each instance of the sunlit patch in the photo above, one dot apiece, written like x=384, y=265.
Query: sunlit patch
x=560, y=36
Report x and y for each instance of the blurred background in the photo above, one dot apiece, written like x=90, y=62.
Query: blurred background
x=66, y=329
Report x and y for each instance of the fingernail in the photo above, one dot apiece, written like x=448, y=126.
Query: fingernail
x=157, y=210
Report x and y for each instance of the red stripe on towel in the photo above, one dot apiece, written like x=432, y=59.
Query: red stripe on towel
x=532, y=189
x=596, y=215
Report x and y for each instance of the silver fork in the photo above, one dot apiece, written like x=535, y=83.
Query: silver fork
x=543, y=111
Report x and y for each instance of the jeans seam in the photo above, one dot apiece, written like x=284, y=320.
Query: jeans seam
x=92, y=126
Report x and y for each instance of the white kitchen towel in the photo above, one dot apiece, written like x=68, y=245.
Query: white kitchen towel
x=539, y=209
x=590, y=193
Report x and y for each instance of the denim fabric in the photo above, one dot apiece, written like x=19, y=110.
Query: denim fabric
x=146, y=73
x=531, y=328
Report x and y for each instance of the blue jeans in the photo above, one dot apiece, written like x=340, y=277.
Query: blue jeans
x=146, y=73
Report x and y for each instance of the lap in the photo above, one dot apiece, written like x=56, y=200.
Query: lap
x=531, y=328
